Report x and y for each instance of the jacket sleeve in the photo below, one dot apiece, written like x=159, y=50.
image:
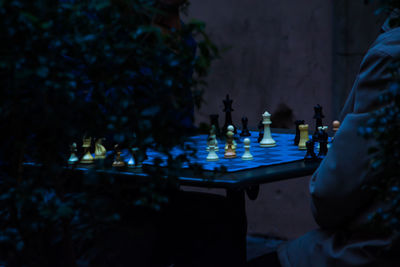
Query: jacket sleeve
x=336, y=194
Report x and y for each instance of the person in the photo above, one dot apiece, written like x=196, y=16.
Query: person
x=339, y=203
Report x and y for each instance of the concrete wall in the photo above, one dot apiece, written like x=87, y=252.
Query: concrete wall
x=281, y=56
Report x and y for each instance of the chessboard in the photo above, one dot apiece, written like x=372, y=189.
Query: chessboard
x=284, y=152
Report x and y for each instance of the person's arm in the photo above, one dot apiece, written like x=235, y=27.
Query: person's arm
x=335, y=187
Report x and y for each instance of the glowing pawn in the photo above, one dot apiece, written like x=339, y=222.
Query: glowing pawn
x=247, y=155
x=267, y=140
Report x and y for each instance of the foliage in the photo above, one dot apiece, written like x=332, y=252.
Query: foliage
x=97, y=68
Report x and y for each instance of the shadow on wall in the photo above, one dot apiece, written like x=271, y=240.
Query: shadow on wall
x=282, y=117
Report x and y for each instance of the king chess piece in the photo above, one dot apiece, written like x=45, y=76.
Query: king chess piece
x=87, y=157
x=228, y=114
x=245, y=131
x=318, y=116
x=297, y=137
x=267, y=140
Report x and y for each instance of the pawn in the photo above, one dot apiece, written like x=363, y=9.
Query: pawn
x=229, y=151
x=245, y=130
x=247, y=155
x=87, y=157
x=212, y=156
x=118, y=161
x=310, y=156
x=335, y=128
x=73, y=159
x=303, y=136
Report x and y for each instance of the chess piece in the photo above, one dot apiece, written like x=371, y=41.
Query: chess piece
x=267, y=140
x=260, y=131
x=310, y=155
x=323, y=150
x=133, y=161
x=303, y=136
x=232, y=129
x=297, y=137
x=118, y=161
x=245, y=130
x=87, y=157
x=228, y=114
x=73, y=159
x=212, y=136
x=335, y=128
x=99, y=151
x=212, y=156
x=247, y=155
x=318, y=116
x=214, y=121
x=229, y=151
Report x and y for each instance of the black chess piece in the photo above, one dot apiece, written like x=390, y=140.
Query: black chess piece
x=214, y=121
x=310, y=155
x=318, y=116
x=323, y=149
x=260, y=131
x=228, y=114
x=245, y=131
x=297, y=137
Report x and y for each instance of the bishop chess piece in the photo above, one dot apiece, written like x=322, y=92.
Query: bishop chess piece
x=99, y=151
x=303, y=136
x=214, y=121
x=318, y=116
x=297, y=137
x=267, y=140
x=118, y=162
x=212, y=156
x=228, y=114
x=310, y=155
x=245, y=131
x=230, y=152
x=73, y=159
x=87, y=157
x=247, y=155
x=260, y=131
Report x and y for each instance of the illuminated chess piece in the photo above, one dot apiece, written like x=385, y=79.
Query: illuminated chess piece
x=267, y=140
x=247, y=155
x=303, y=136
x=212, y=156
x=87, y=157
x=212, y=136
x=232, y=129
x=118, y=161
x=230, y=153
x=73, y=159
x=99, y=151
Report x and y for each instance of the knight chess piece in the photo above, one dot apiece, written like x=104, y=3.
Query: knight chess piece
x=245, y=131
x=99, y=151
x=87, y=157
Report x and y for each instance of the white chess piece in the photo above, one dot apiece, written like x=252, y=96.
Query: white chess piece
x=267, y=140
x=213, y=137
x=247, y=155
x=212, y=156
x=232, y=129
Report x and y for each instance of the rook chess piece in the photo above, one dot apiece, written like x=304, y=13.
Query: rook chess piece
x=310, y=155
x=303, y=136
x=212, y=156
x=118, y=161
x=297, y=137
x=247, y=155
x=87, y=157
x=245, y=130
x=267, y=140
x=73, y=159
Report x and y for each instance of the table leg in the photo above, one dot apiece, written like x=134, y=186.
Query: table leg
x=236, y=199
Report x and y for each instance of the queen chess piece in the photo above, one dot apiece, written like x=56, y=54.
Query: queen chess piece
x=267, y=140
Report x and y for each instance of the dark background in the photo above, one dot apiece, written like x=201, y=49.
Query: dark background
x=284, y=55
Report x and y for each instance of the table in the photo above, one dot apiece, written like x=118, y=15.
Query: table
x=238, y=181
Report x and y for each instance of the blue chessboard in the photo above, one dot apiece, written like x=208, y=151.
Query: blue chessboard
x=284, y=152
